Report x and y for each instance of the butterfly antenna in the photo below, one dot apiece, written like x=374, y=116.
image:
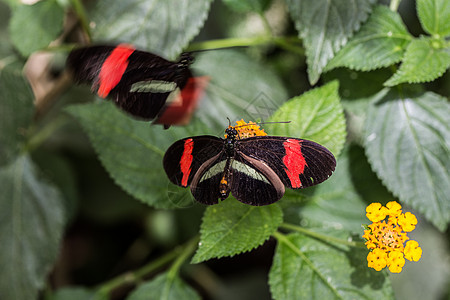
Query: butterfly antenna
x=278, y=122
x=203, y=48
x=261, y=123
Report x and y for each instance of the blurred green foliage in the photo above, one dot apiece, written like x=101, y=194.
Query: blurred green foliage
x=85, y=201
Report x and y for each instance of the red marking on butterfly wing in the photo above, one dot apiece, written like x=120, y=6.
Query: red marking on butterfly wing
x=179, y=111
x=294, y=161
x=113, y=69
x=186, y=161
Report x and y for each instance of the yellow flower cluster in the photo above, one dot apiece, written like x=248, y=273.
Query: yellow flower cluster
x=386, y=240
x=246, y=130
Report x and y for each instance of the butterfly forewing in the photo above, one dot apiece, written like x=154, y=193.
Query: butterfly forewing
x=298, y=163
x=138, y=82
x=185, y=157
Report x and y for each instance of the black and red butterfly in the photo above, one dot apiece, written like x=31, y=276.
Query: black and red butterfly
x=255, y=170
x=141, y=83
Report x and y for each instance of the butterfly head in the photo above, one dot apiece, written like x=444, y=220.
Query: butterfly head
x=231, y=133
x=186, y=59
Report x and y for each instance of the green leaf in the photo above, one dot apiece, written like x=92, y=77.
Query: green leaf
x=164, y=287
x=407, y=141
x=161, y=26
x=340, y=202
x=5, y=42
x=305, y=268
x=230, y=228
x=325, y=27
x=130, y=150
x=434, y=15
x=33, y=27
x=316, y=115
x=423, y=62
x=16, y=111
x=31, y=225
x=244, y=6
x=60, y=172
x=240, y=87
x=357, y=85
x=381, y=42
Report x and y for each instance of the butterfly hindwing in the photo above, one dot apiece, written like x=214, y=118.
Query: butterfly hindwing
x=148, y=84
x=254, y=183
x=206, y=181
x=298, y=163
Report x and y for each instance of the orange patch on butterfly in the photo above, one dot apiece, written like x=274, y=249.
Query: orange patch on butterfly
x=179, y=111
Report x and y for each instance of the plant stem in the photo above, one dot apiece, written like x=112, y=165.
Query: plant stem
x=229, y=43
x=187, y=251
x=6, y=61
x=394, y=5
x=82, y=16
x=320, y=236
x=287, y=44
x=182, y=252
x=266, y=24
x=284, y=42
x=45, y=132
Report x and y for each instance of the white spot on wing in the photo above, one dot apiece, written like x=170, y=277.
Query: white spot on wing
x=214, y=170
x=153, y=86
x=249, y=171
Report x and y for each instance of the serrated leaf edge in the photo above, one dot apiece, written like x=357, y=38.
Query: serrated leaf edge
x=195, y=258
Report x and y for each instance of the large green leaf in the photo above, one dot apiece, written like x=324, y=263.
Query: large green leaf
x=5, y=43
x=381, y=42
x=407, y=141
x=130, y=150
x=16, y=110
x=239, y=88
x=161, y=26
x=325, y=27
x=33, y=27
x=305, y=268
x=434, y=16
x=230, y=228
x=31, y=224
x=340, y=201
x=164, y=287
x=247, y=5
x=423, y=62
x=316, y=115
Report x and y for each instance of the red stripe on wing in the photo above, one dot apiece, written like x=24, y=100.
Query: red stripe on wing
x=294, y=161
x=186, y=161
x=113, y=69
x=179, y=111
